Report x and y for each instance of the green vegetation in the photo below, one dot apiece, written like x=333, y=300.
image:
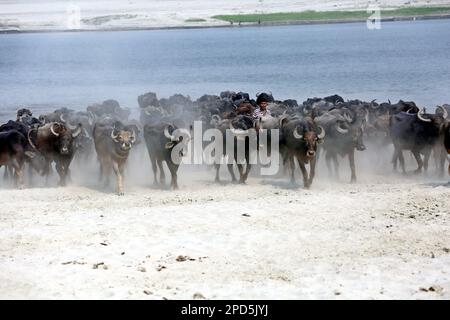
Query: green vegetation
x=195, y=20
x=329, y=15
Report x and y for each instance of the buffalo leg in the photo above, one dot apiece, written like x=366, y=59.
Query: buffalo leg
x=401, y=159
x=100, y=175
x=217, y=167
x=394, y=160
x=312, y=170
x=301, y=164
x=426, y=159
x=106, y=172
x=419, y=160
x=441, y=161
x=241, y=173
x=5, y=174
x=328, y=161
x=46, y=172
x=62, y=172
x=30, y=174
x=173, y=168
x=155, y=171
x=351, y=159
x=154, y=168
x=118, y=170
x=231, y=171
x=292, y=168
x=248, y=167
x=336, y=165
x=18, y=170
x=162, y=175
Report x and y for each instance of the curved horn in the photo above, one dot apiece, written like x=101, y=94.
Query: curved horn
x=114, y=136
x=409, y=110
x=420, y=116
x=53, y=130
x=340, y=129
x=322, y=133
x=282, y=118
x=76, y=131
x=296, y=134
x=168, y=135
x=237, y=132
x=61, y=117
x=30, y=141
x=147, y=112
x=444, y=112
x=216, y=116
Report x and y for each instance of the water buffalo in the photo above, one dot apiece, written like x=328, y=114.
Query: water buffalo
x=108, y=108
x=36, y=161
x=84, y=143
x=13, y=152
x=415, y=132
x=113, y=142
x=439, y=151
x=344, y=135
x=238, y=131
x=300, y=138
x=447, y=140
x=161, y=140
x=55, y=141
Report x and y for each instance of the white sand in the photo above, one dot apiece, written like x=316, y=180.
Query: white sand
x=52, y=14
x=375, y=239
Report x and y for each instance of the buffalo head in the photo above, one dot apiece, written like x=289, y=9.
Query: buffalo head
x=123, y=136
x=65, y=136
x=310, y=135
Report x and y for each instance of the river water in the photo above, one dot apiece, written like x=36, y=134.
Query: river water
x=402, y=60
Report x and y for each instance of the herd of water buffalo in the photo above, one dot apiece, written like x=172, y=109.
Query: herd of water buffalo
x=329, y=126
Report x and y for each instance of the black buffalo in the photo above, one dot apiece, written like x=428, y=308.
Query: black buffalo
x=415, y=132
x=344, y=135
x=113, y=142
x=299, y=140
x=14, y=151
x=161, y=140
x=55, y=141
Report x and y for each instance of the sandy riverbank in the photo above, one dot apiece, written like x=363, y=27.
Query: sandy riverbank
x=384, y=237
x=52, y=15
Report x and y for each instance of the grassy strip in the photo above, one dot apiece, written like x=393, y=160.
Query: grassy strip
x=195, y=20
x=329, y=15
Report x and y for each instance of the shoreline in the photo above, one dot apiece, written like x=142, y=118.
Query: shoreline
x=234, y=25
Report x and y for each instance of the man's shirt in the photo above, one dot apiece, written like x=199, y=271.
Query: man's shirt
x=258, y=113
